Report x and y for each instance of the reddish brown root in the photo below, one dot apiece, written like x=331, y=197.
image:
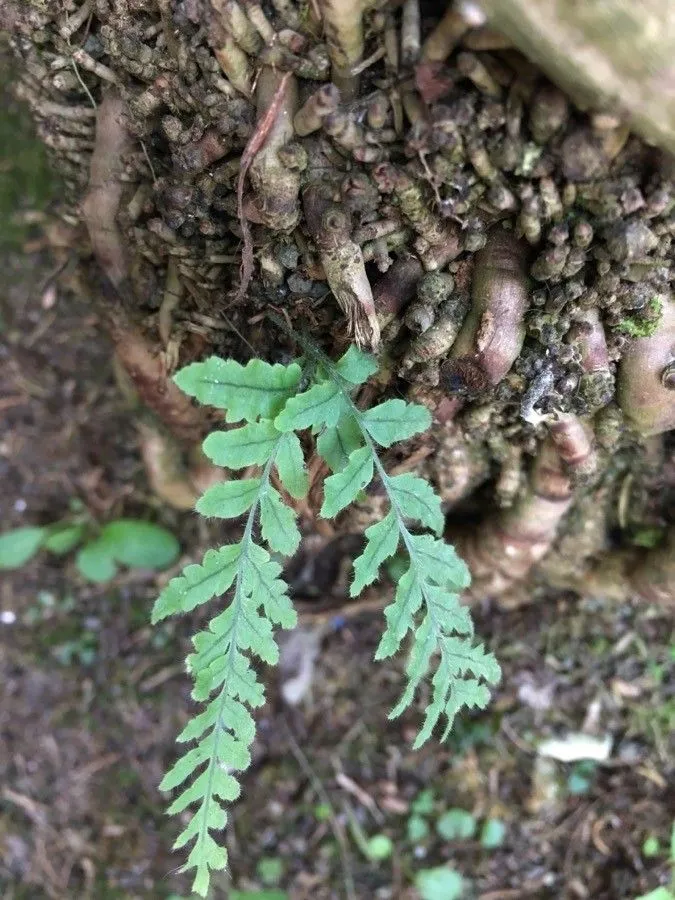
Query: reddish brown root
x=100, y=206
x=504, y=549
x=646, y=383
x=493, y=333
x=396, y=288
x=146, y=370
x=173, y=478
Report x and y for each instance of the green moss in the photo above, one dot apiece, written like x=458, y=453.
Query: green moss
x=643, y=326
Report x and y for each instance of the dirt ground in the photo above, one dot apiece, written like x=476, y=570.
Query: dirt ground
x=92, y=696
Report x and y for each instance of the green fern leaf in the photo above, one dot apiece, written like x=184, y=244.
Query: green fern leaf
x=341, y=489
x=250, y=445
x=441, y=562
x=417, y=500
x=255, y=390
x=198, y=583
x=322, y=404
x=382, y=539
x=335, y=444
x=452, y=692
x=261, y=579
x=228, y=499
x=279, y=528
x=290, y=465
x=395, y=420
x=356, y=366
x=400, y=614
x=427, y=598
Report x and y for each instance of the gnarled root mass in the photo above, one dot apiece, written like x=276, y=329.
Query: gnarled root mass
x=417, y=186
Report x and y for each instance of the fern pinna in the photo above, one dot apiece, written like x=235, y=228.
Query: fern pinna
x=273, y=402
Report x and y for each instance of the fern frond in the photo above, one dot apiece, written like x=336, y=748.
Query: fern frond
x=224, y=678
x=427, y=600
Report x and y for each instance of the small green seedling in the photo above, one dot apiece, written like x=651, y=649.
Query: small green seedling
x=662, y=893
x=456, y=825
x=440, y=883
x=492, y=834
x=126, y=542
x=270, y=870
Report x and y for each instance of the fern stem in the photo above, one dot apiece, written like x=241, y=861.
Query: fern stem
x=345, y=388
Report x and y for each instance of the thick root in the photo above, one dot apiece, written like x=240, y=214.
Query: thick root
x=343, y=264
x=503, y=551
x=646, y=385
x=493, y=333
x=101, y=205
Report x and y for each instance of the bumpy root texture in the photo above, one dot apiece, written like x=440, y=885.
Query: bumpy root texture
x=343, y=21
x=493, y=332
x=101, y=205
x=343, y=263
x=607, y=55
x=269, y=112
x=503, y=551
x=646, y=383
x=646, y=576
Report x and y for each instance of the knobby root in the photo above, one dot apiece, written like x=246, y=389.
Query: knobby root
x=343, y=20
x=253, y=146
x=493, y=333
x=343, y=263
x=646, y=382
x=504, y=549
x=101, y=204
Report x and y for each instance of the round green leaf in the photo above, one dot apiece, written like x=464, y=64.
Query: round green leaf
x=17, y=546
x=140, y=545
x=270, y=870
x=95, y=563
x=493, y=834
x=379, y=847
x=439, y=884
x=417, y=828
x=651, y=846
x=456, y=825
x=63, y=538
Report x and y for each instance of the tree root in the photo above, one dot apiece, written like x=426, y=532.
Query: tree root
x=177, y=481
x=504, y=549
x=493, y=332
x=100, y=206
x=646, y=385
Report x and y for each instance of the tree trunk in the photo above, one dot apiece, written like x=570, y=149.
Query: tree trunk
x=411, y=183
